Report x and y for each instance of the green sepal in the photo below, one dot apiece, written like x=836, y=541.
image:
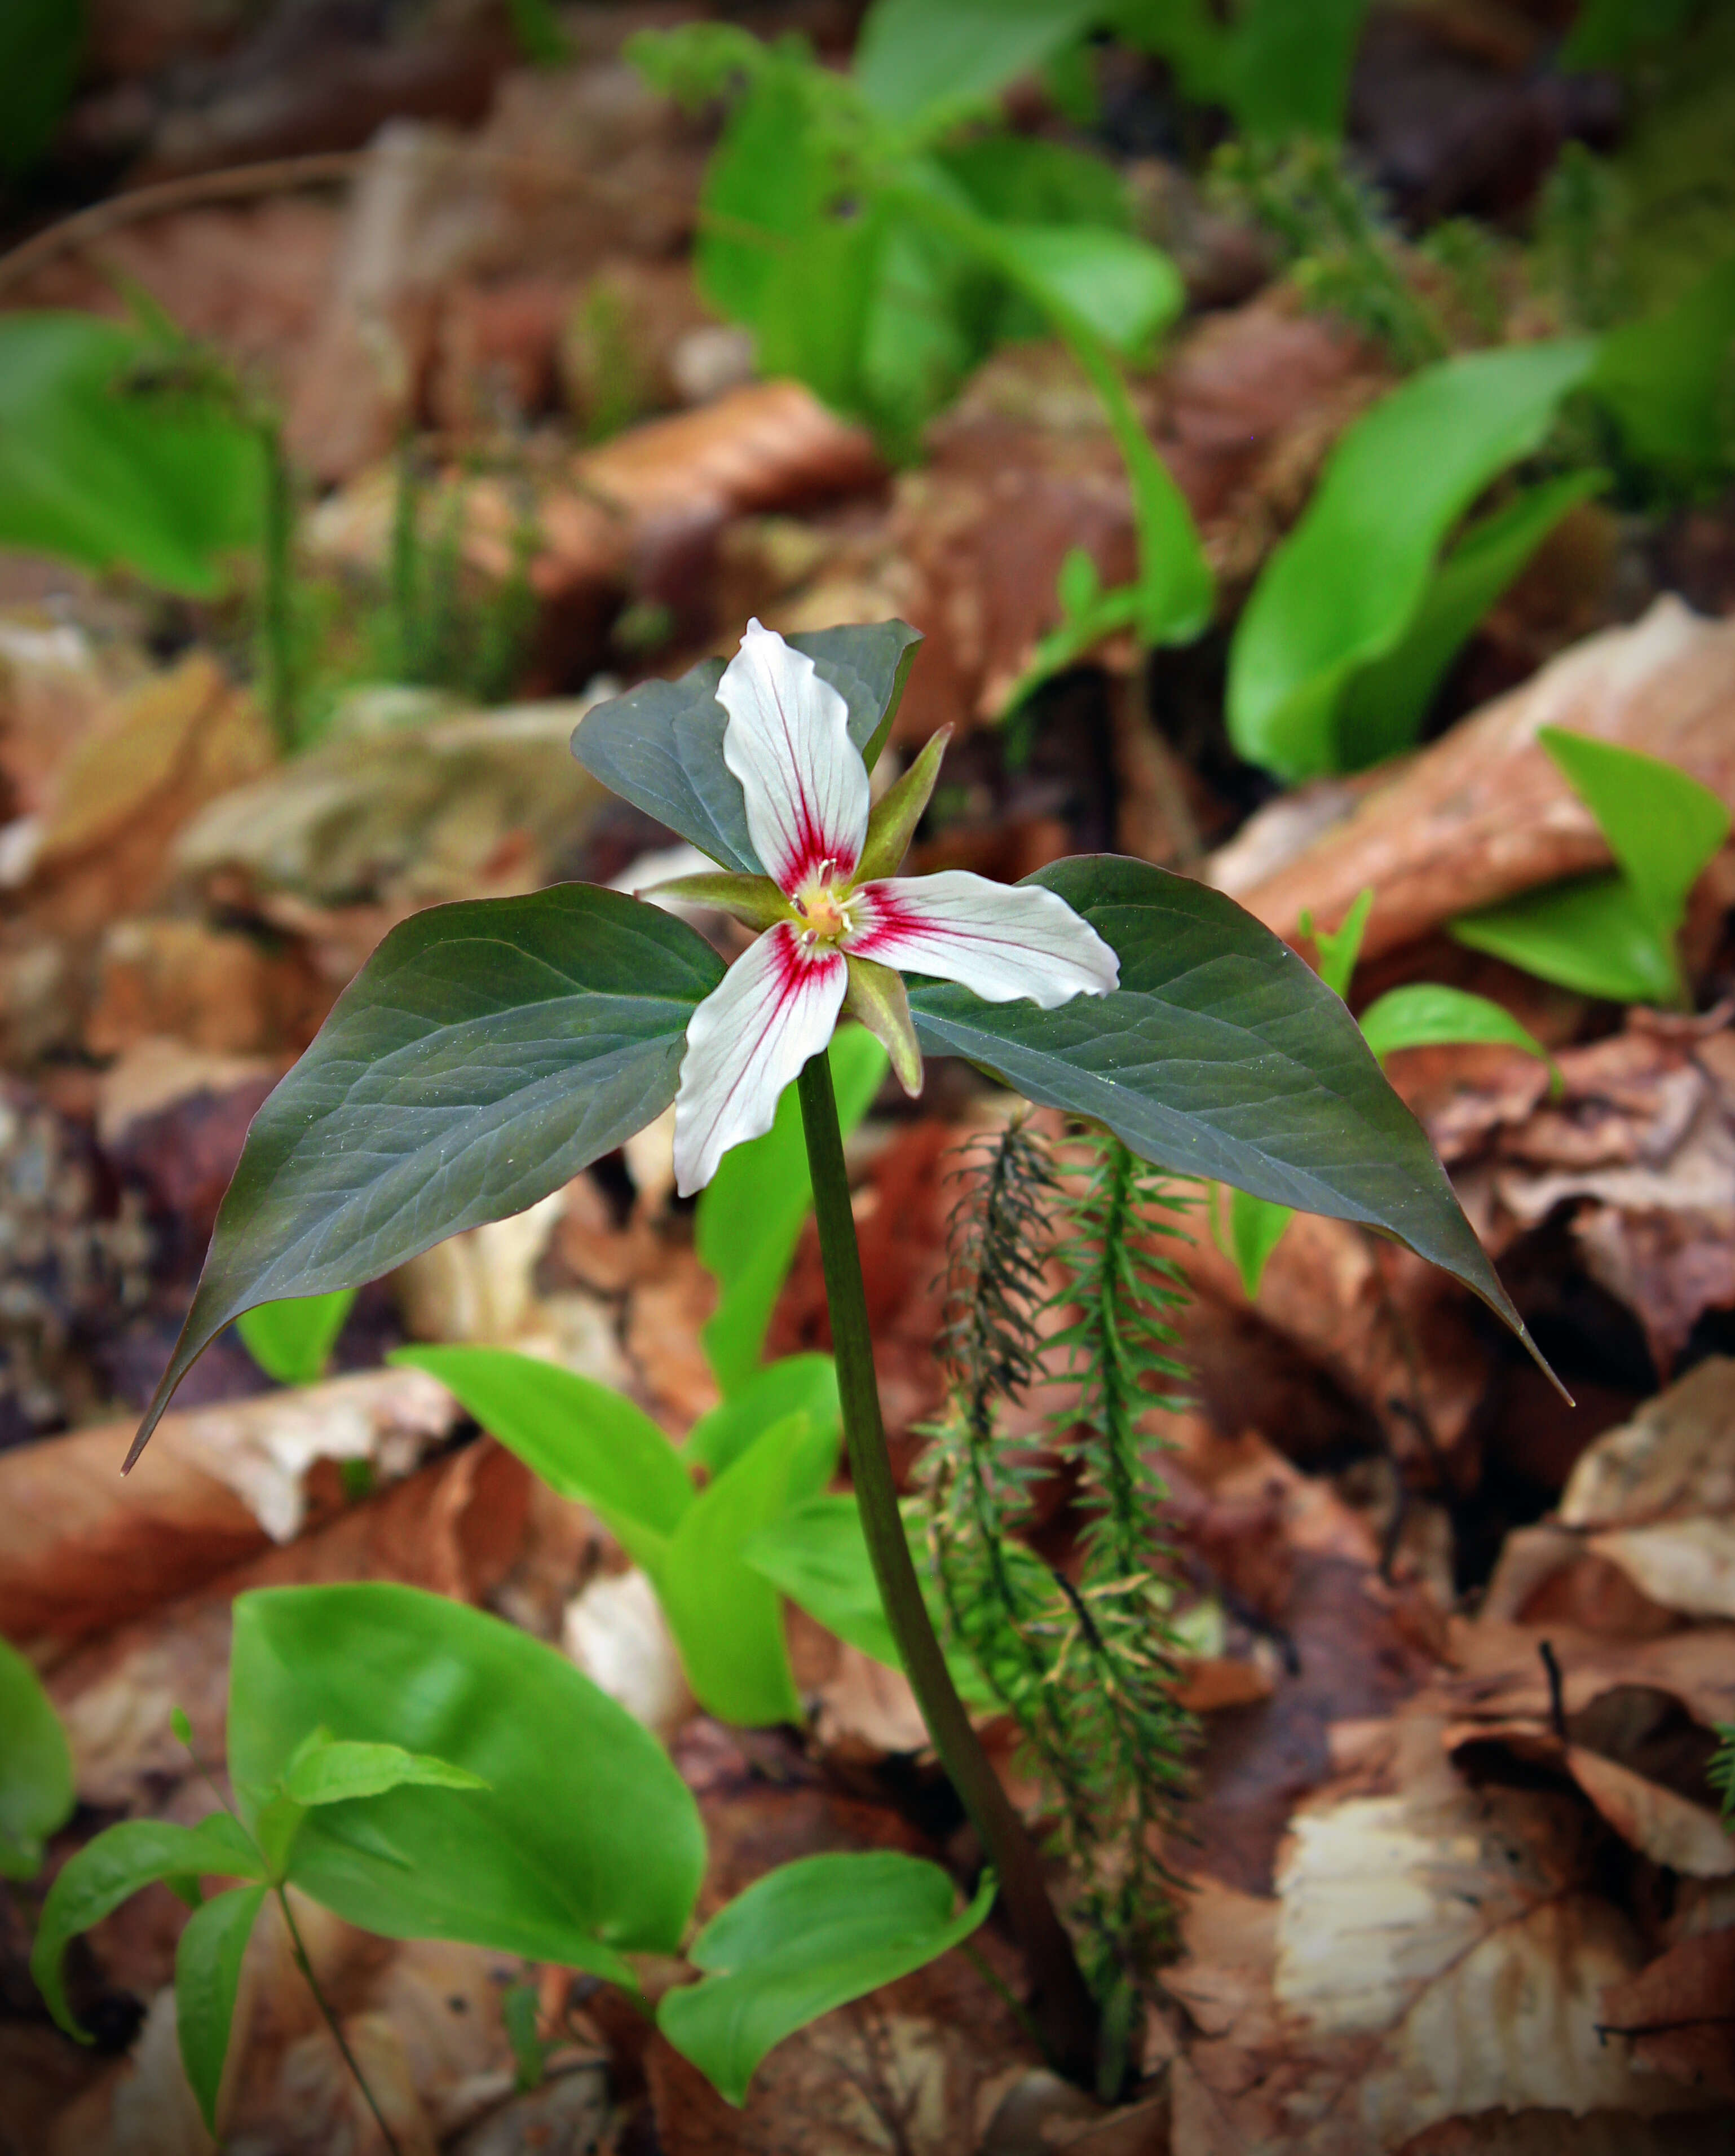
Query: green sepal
x=892, y=823
x=753, y=900
x=877, y=999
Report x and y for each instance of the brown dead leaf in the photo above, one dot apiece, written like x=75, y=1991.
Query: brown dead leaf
x=1678, y=2013
x=1484, y=813
x=83, y=1548
x=1504, y=2133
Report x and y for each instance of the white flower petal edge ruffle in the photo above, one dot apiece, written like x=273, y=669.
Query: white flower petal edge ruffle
x=778, y=1005
x=802, y=778
x=1000, y=940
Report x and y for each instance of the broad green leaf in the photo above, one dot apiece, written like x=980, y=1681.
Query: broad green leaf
x=806, y=1937
x=660, y=745
x=1022, y=179
x=1383, y=704
x=585, y=1845
x=586, y=1441
x=1124, y=289
x=41, y=43
x=922, y=64
x=1667, y=381
x=1289, y=67
x=325, y=1770
x=1346, y=585
x=1427, y=1015
x=1255, y=1228
x=725, y=1616
x=1221, y=1054
x=806, y=1384
x=208, y=1974
x=36, y=1784
x=817, y=1553
x=1662, y=826
x=292, y=1340
x=484, y=1053
x=750, y=1214
x=159, y=481
x=1588, y=935
x=111, y=1869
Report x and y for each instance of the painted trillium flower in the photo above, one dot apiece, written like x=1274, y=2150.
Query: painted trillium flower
x=837, y=925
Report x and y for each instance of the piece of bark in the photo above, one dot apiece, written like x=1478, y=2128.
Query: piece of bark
x=1485, y=813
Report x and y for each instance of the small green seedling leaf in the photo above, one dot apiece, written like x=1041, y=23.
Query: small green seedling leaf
x=1612, y=935
x=583, y=1846
x=795, y=1384
x=750, y=1215
x=1339, y=948
x=920, y=65
x=207, y=1975
x=808, y=1938
x=112, y=1869
x=1427, y=1015
x=484, y=1053
x=518, y=2010
x=326, y=1771
x=1347, y=585
x=36, y=1784
x=162, y=480
x=727, y=1619
x=1255, y=1228
x=588, y=1442
x=292, y=1340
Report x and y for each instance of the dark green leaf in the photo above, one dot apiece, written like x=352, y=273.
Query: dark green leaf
x=208, y=1974
x=325, y=1770
x=484, y=1054
x=586, y=1441
x=292, y=1340
x=805, y=1384
x=1220, y=1055
x=750, y=1215
x=1384, y=703
x=726, y=1617
x=586, y=1845
x=1345, y=588
x=660, y=746
x=1426, y=1014
x=806, y=1937
x=1288, y=67
x=1022, y=179
x=919, y=64
x=111, y=1869
x=162, y=482
x=1667, y=381
x=36, y=1785
x=41, y=43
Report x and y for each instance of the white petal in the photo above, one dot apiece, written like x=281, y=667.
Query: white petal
x=1001, y=941
x=778, y=1005
x=787, y=741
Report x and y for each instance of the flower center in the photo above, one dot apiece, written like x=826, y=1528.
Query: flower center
x=825, y=910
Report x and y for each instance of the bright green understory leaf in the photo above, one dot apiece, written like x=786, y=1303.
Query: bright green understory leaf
x=1613, y=935
x=36, y=1784
x=1255, y=1228
x=1338, y=949
x=159, y=481
x=795, y=1384
x=750, y=1215
x=1348, y=584
x=484, y=1053
x=1427, y=1015
x=660, y=745
x=1383, y=704
x=208, y=1974
x=1668, y=381
x=920, y=64
x=1222, y=1055
x=817, y=1553
x=325, y=1770
x=583, y=1845
x=588, y=1442
x=111, y=1869
x=1279, y=69
x=726, y=1618
x=292, y=1340
x=806, y=1937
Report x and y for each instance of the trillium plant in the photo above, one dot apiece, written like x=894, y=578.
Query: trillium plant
x=489, y=1050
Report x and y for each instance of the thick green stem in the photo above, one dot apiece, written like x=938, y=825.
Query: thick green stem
x=1061, y=2006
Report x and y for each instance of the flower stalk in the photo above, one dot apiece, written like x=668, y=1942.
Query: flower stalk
x=1061, y=2006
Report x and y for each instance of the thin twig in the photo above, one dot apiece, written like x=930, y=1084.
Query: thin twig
x=305, y=1965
